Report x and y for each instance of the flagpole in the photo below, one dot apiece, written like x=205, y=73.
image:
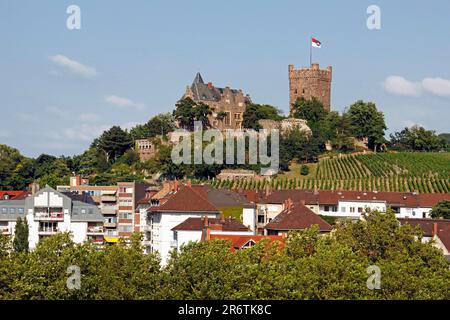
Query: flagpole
x=310, y=52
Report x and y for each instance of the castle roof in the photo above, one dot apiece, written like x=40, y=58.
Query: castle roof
x=207, y=92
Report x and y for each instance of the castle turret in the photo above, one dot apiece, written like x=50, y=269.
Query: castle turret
x=309, y=83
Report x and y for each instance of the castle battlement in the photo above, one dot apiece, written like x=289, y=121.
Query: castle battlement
x=310, y=82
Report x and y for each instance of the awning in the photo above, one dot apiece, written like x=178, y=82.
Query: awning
x=111, y=239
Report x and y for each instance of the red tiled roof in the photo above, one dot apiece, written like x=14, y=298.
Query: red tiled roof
x=431, y=199
x=185, y=200
x=238, y=241
x=13, y=195
x=332, y=197
x=197, y=224
x=428, y=225
x=297, y=217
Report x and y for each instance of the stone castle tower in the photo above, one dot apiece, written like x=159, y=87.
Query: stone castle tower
x=309, y=83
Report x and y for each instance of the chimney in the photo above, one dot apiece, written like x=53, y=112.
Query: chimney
x=210, y=85
x=206, y=232
x=302, y=202
x=222, y=218
x=316, y=191
x=435, y=229
x=175, y=185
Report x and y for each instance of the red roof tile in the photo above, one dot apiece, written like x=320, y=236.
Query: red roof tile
x=185, y=200
x=297, y=217
x=428, y=228
x=197, y=224
x=13, y=195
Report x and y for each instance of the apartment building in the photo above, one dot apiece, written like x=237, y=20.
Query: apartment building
x=117, y=204
x=49, y=212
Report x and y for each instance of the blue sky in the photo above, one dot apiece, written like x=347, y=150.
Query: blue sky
x=133, y=59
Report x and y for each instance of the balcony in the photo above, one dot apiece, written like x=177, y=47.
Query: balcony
x=47, y=231
x=95, y=230
x=108, y=198
x=111, y=233
x=48, y=216
x=146, y=243
x=146, y=228
x=109, y=209
x=110, y=224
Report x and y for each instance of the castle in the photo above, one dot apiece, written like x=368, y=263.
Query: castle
x=227, y=105
x=309, y=83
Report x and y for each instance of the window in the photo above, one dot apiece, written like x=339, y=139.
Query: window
x=360, y=210
x=4, y=210
x=21, y=210
x=342, y=209
x=352, y=209
x=12, y=210
x=125, y=228
x=327, y=208
x=125, y=215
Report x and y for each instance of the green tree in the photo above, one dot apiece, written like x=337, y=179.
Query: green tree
x=161, y=124
x=20, y=243
x=367, y=122
x=114, y=143
x=187, y=111
x=417, y=138
x=309, y=110
x=441, y=210
x=255, y=112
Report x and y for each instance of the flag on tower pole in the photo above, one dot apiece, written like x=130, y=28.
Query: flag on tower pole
x=316, y=44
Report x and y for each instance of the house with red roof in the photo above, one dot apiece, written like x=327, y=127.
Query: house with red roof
x=342, y=204
x=296, y=216
x=179, y=205
x=436, y=229
x=202, y=229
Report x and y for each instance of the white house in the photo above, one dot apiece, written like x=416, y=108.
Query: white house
x=198, y=229
x=49, y=212
x=182, y=204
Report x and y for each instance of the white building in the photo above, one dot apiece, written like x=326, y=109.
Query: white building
x=49, y=212
x=175, y=205
x=182, y=204
x=198, y=229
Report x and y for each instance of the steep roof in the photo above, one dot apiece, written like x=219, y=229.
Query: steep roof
x=297, y=217
x=186, y=199
x=428, y=227
x=197, y=224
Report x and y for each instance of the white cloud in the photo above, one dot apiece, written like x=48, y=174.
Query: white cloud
x=90, y=117
x=74, y=66
x=123, y=102
x=401, y=86
x=437, y=86
x=85, y=132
